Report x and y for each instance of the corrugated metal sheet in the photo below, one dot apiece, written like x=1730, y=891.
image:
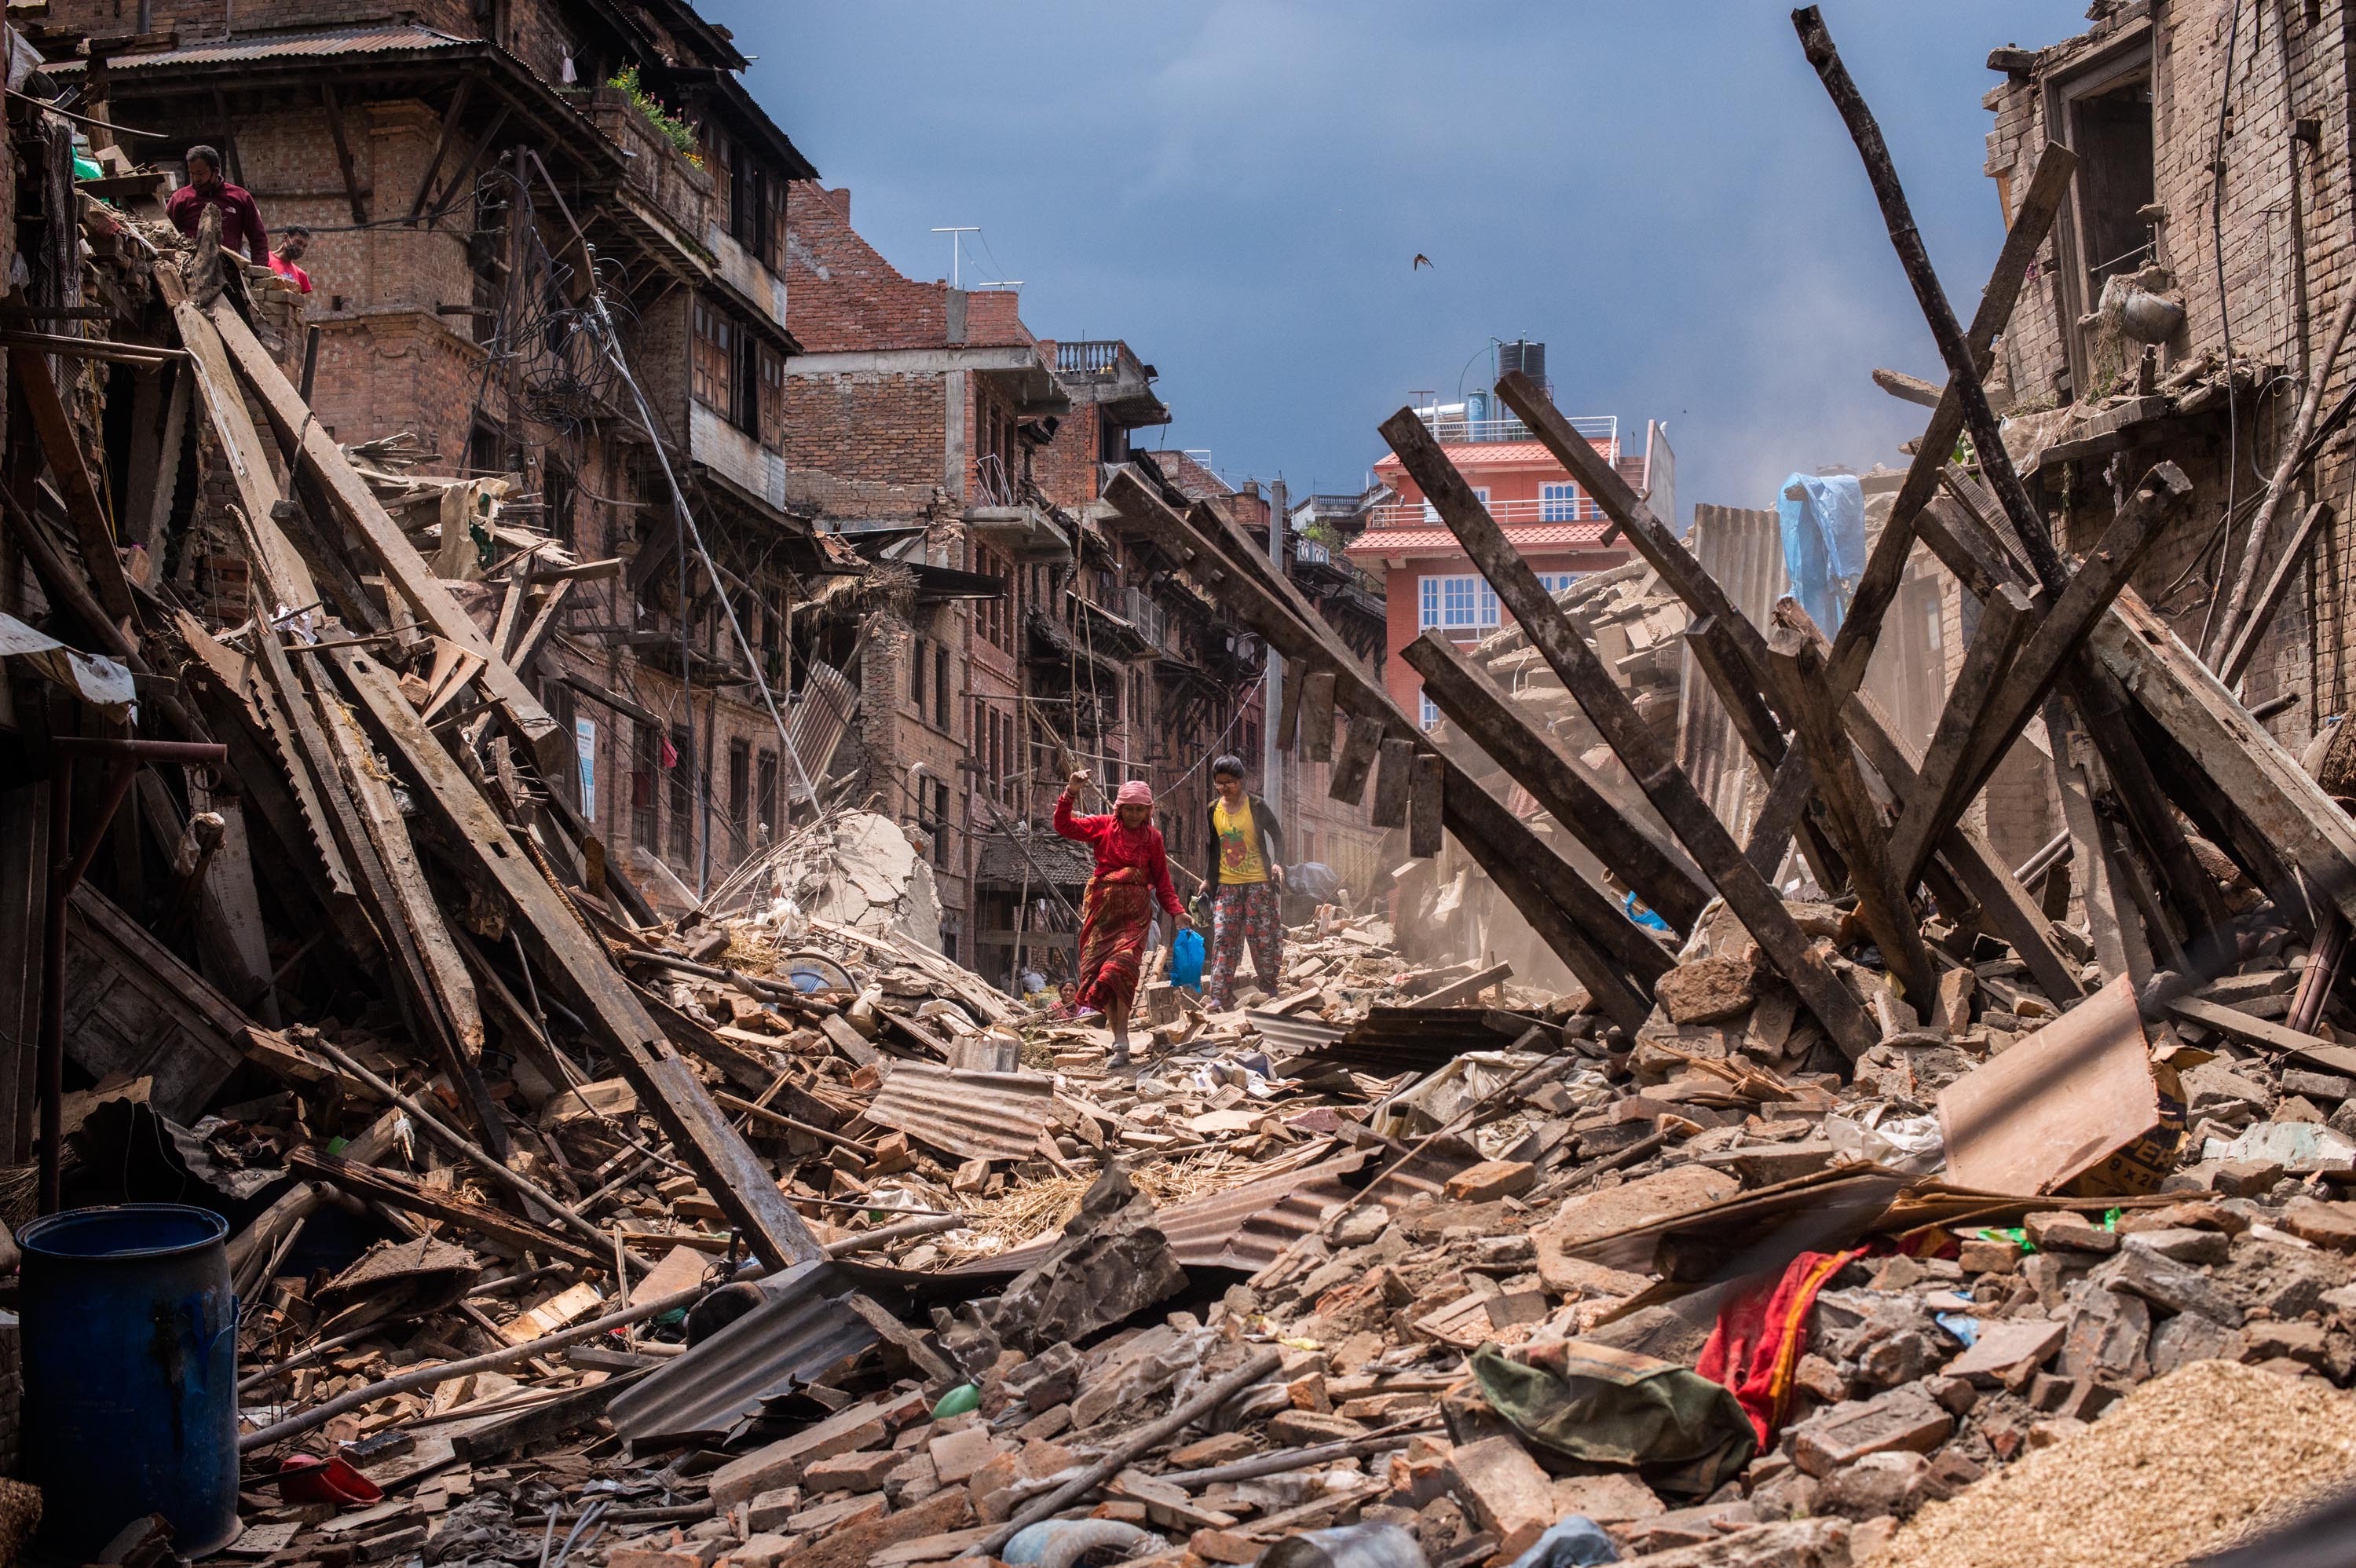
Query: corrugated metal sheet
x=1287, y=1034
x=1242, y=1228
x=290, y=46
x=790, y=1340
x=974, y=1115
x=1744, y=550
x=1390, y=1041
x=822, y=711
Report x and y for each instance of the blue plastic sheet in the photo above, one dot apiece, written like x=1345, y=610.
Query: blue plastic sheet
x=1186, y=959
x=1822, y=519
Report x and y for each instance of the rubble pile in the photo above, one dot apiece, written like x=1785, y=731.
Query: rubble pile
x=1868, y=1194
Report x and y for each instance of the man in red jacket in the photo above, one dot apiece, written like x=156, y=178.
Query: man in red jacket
x=242, y=228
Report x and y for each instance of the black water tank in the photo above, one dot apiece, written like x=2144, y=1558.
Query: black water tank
x=1522, y=354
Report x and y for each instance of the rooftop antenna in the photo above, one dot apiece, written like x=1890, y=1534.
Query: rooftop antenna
x=957, y=247
x=1001, y=283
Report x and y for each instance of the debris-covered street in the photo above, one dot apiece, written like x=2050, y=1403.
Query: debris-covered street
x=650, y=924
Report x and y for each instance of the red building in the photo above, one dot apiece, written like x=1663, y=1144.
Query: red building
x=1429, y=583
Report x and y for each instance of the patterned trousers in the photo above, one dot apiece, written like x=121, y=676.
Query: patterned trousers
x=1241, y=913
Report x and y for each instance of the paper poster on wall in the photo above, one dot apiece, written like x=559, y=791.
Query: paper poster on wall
x=585, y=741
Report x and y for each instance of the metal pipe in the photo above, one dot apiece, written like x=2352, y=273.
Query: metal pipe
x=66, y=867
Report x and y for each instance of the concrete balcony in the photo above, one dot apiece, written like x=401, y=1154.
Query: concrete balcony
x=1104, y=372
x=1022, y=528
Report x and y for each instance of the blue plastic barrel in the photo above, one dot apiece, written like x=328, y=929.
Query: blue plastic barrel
x=130, y=1343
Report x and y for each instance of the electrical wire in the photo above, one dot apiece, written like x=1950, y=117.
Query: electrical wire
x=2224, y=311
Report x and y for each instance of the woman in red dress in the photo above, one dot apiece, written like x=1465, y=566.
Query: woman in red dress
x=1132, y=873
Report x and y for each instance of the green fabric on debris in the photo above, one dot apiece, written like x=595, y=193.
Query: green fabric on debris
x=1600, y=1405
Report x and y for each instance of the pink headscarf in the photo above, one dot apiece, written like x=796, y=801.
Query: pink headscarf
x=1136, y=792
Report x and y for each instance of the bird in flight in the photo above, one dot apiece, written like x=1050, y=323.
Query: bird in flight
x=1422, y=261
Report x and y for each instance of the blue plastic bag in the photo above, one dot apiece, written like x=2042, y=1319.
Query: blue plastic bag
x=1822, y=524
x=1186, y=959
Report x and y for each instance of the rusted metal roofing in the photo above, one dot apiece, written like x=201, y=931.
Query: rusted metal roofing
x=1242, y=1228
x=337, y=41
x=803, y=1327
x=1289, y=1035
x=974, y=1115
x=1390, y=1041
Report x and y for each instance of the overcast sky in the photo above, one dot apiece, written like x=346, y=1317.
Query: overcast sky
x=1662, y=194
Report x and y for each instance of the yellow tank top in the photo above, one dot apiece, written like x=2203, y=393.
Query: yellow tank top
x=1239, y=857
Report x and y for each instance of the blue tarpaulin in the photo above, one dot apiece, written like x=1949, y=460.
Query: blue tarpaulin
x=1822, y=519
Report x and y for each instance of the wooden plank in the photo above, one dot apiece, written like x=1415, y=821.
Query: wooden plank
x=1357, y=758
x=1392, y=783
x=2235, y=1024
x=1647, y=759
x=1943, y=789
x=2287, y=566
x=2090, y=860
x=344, y=152
x=1288, y=712
x=1885, y=566
x=93, y=532
x=413, y=1197
x=1317, y=716
x=578, y=968
x=450, y=118
x=1578, y=922
x=543, y=626
x=547, y=743
x=188, y=1034
x=1881, y=900
x=1659, y=872
x=1458, y=993
x=1427, y=805
x=2060, y=632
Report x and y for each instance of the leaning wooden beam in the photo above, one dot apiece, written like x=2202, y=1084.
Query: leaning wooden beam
x=1945, y=787
x=1963, y=363
x=1667, y=554
x=1885, y=565
x=520, y=711
x=401, y=1192
x=579, y=968
x=2061, y=632
x=1793, y=657
x=2115, y=947
x=1609, y=953
x=2245, y=646
x=1660, y=874
x=1762, y=913
x=55, y=428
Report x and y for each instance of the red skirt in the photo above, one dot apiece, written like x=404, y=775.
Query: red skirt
x=1114, y=914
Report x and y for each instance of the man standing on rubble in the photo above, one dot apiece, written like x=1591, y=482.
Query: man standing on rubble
x=242, y=228
x=1133, y=874
x=293, y=241
x=1246, y=906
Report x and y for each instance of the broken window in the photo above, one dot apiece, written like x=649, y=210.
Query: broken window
x=764, y=774
x=740, y=793
x=917, y=674
x=2104, y=113
x=715, y=359
x=941, y=685
x=646, y=749
x=682, y=798
x=773, y=398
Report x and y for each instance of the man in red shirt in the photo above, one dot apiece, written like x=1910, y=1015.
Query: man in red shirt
x=241, y=218
x=293, y=240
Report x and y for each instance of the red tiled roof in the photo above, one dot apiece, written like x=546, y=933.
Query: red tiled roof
x=1525, y=536
x=1481, y=454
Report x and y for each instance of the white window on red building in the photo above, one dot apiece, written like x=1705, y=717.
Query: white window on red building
x=1555, y=582
x=1429, y=710
x=1457, y=602
x=1558, y=503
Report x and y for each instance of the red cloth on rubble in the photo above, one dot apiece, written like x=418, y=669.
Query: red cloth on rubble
x=1760, y=1334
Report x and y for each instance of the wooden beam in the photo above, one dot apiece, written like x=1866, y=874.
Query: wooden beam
x=1946, y=786
x=450, y=118
x=543, y=740
x=93, y=531
x=2060, y=632
x=1578, y=923
x=579, y=968
x=1659, y=872
x=343, y=152
x=401, y=1192
x=463, y=178
x=2287, y=566
x=1881, y=900
x=1357, y=758
x=1317, y=715
x=1755, y=903
x=1427, y=805
x=544, y=625
x=1885, y=566
x=1392, y=783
